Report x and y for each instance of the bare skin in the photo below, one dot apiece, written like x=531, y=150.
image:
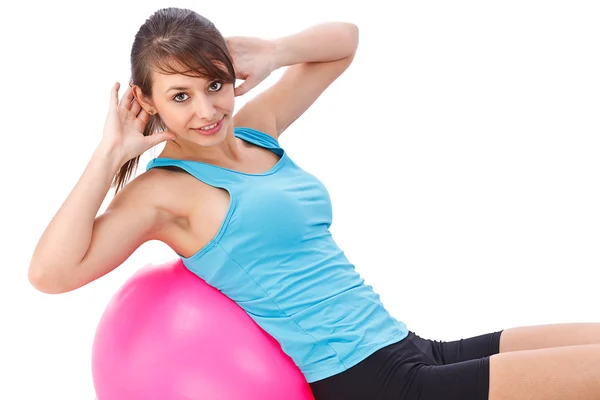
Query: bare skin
x=547, y=362
x=547, y=336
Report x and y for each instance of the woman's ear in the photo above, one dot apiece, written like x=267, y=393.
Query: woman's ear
x=146, y=104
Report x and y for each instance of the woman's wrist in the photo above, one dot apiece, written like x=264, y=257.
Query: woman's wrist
x=109, y=155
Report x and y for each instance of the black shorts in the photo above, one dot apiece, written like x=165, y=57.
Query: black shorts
x=417, y=369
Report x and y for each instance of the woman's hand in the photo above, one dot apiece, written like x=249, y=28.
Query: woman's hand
x=253, y=59
x=124, y=127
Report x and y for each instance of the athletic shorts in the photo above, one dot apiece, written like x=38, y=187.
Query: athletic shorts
x=417, y=369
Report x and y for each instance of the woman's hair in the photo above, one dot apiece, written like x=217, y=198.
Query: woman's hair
x=170, y=39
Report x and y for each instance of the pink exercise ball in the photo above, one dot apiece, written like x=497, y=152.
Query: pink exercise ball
x=168, y=335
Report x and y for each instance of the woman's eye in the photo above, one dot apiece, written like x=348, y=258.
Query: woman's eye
x=216, y=86
x=178, y=96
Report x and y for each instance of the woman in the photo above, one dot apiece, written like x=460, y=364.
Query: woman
x=245, y=218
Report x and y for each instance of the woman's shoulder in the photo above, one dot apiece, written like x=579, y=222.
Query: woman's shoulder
x=153, y=187
x=150, y=180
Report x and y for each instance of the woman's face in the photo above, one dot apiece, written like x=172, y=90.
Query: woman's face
x=195, y=109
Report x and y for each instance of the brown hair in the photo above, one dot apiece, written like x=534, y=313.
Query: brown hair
x=169, y=39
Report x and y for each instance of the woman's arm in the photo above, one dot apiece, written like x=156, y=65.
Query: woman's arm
x=325, y=42
x=78, y=246
x=314, y=57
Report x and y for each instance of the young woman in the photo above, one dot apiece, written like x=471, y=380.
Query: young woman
x=245, y=218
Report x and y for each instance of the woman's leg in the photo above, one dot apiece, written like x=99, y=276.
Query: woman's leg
x=548, y=336
x=545, y=362
x=560, y=373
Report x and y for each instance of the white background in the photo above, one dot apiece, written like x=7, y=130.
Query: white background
x=460, y=151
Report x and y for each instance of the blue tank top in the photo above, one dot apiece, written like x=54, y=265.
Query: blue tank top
x=275, y=257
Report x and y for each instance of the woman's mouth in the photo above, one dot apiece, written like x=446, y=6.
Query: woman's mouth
x=210, y=129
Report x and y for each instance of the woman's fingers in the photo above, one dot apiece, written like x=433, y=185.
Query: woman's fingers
x=135, y=107
x=144, y=116
x=114, y=96
x=126, y=99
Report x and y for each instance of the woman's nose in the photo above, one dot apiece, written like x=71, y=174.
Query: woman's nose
x=205, y=110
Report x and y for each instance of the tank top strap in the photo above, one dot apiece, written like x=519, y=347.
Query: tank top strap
x=257, y=137
x=210, y=174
